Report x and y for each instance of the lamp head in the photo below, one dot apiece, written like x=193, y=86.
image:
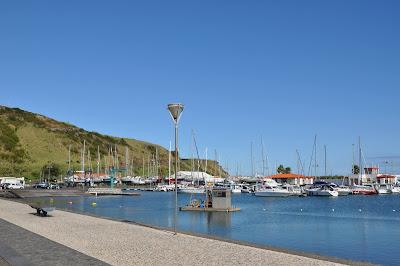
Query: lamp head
x=175, y=109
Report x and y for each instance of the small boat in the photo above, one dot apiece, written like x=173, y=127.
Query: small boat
x=325, y=191
x=384, y=189
x=236, y=189
x=343, y=190
x=247, y=189
x=363, y=190
x=192, y=190
x=272, y=192
x=396, y=189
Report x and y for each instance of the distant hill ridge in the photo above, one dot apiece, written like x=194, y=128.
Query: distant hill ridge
x=32, y=144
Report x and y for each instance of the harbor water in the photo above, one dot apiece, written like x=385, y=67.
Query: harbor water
x=362, y=228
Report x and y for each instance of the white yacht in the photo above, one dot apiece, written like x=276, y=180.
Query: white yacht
x=191, y=190
x=343, y=190
x=384, y=189
x=272, y=192
x=326, y=191
x=396, y=189
x=270, y=188
x=236, y=189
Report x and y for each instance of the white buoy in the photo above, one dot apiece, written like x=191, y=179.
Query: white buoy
x=333, y=210
x=264, y=209
x=394, y=210
x=301, y=210
x=359, y=210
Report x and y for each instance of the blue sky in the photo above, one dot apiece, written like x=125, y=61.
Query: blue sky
x=281, y=70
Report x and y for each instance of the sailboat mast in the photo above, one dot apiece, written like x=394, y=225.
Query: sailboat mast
x=205, y=170
x=262, y=157
x=169, y=163
x=69, y=158
x=83, y=157
x=360, y=161
x=126, y=160
x=315, y=158
x=143, y=167
x=325, y=158
x=251, y=159
x=98, y=161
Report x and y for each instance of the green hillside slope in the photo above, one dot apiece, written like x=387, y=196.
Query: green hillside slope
x=29, y=143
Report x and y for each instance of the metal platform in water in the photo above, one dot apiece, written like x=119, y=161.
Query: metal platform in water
x=200, y=209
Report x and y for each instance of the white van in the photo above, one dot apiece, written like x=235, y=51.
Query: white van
x=14, y=186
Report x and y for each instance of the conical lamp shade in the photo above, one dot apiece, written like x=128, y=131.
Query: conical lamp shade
x=175, y=110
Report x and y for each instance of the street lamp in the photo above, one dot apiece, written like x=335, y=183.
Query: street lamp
x=176, y=109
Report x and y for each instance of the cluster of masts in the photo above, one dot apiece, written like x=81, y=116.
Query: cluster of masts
x=111, y=162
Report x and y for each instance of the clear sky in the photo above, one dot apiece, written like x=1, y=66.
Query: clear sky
x=283, y=70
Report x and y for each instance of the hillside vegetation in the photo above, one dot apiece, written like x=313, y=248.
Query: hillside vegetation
x=30, y=143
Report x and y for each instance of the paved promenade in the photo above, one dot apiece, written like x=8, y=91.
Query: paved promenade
x=20, y=247
x=120, y=243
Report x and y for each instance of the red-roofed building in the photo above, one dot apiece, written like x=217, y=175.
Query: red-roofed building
x=292, y=179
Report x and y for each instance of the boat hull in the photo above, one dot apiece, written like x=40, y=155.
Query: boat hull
x=191, y=191
x=273, y=193
x=323, y=193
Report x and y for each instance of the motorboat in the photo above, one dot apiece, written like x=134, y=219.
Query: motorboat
x=396, y=189
x=324, y=190
x=191, y=190
x=266, y=191
x=384, y=189
x=236, y=189
x=343, y=190
x=247, y=189
x=363, y=190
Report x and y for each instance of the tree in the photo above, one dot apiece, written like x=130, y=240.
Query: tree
x=283, y=170
x=280, y=169
x=288, y=170
x=51, y=170
x=356, y=169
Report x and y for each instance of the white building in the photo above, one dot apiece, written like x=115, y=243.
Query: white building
x=196, y=176
x=371, y=175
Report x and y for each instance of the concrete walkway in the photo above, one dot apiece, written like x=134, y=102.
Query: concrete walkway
x=119, y=243
x=20, y=247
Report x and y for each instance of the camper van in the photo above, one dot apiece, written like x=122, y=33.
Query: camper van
x=12, y=182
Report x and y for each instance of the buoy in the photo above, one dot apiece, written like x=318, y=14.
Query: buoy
x=333, y=210
x=301, y=210
x=394, y=210
x=94, y=203
x=359, y=210
x=264, y=209
x=69, y=202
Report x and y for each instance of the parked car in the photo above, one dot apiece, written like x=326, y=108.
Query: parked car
x=15, y=186
x=53, y=186
x=41, y=185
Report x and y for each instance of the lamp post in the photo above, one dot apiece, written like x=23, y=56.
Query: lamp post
x=176, y=109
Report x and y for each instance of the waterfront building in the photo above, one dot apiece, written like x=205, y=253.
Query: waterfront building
x=292, y=179
x=372, y=175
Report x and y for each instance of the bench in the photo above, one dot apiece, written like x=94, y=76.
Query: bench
x=42, y=210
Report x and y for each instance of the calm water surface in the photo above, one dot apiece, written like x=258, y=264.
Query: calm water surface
x=354, y=227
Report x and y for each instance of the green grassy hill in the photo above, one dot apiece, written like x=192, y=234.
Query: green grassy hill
x=30, y=143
